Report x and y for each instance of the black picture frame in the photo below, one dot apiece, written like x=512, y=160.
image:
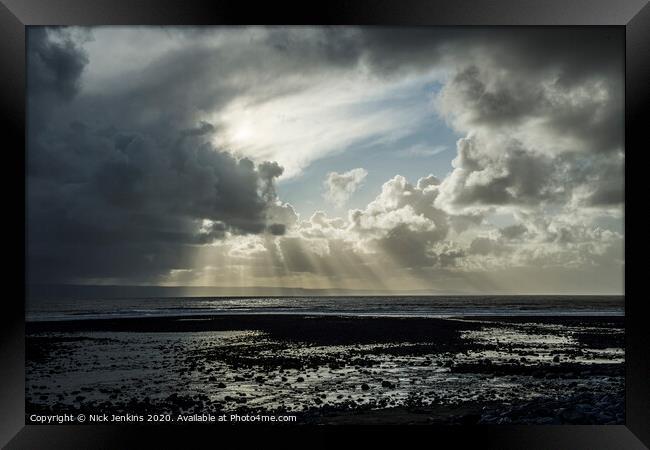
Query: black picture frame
x=15, y=15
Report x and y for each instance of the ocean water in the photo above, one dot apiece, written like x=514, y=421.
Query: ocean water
x=396, y=306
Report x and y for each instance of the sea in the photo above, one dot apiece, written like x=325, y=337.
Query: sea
x=56, y=308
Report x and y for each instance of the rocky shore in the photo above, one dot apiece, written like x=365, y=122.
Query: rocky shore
x=336, y=370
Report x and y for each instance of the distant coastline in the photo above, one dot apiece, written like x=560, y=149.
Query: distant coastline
x=38, y=291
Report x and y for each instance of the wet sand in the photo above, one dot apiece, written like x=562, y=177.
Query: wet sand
x=339, y=370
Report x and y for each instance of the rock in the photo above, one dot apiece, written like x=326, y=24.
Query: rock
x=300, y=379
x=365, y=387
x=556, y=359
x=387, y=384
x=221, y=385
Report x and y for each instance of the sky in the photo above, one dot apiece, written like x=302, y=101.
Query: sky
x=397, y=160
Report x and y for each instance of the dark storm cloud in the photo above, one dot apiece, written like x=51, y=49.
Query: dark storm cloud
x=135, y=173
x=574, y=53
x=107, y=200
x=55, y=64
x=142, y=202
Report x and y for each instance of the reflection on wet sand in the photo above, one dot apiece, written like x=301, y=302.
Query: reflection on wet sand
x=329, y=370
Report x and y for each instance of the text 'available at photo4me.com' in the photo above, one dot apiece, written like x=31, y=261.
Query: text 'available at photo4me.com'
x=152, y=418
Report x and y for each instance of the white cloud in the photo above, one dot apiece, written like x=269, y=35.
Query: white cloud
x=340, y=186
x=531, y=140
x=422, y=150
x=332, y=115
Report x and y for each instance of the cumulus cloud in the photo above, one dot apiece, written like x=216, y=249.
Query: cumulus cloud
x=541, y=140
x=400, y=224
x=534, y=138
x=340, y=186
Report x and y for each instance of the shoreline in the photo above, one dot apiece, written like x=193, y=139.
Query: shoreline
x=211, y=321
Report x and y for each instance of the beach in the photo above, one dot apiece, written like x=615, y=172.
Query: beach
x=328, y=369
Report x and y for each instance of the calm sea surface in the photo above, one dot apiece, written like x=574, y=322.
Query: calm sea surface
x=416, y=306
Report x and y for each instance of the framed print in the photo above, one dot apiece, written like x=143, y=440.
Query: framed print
x=279, y=221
